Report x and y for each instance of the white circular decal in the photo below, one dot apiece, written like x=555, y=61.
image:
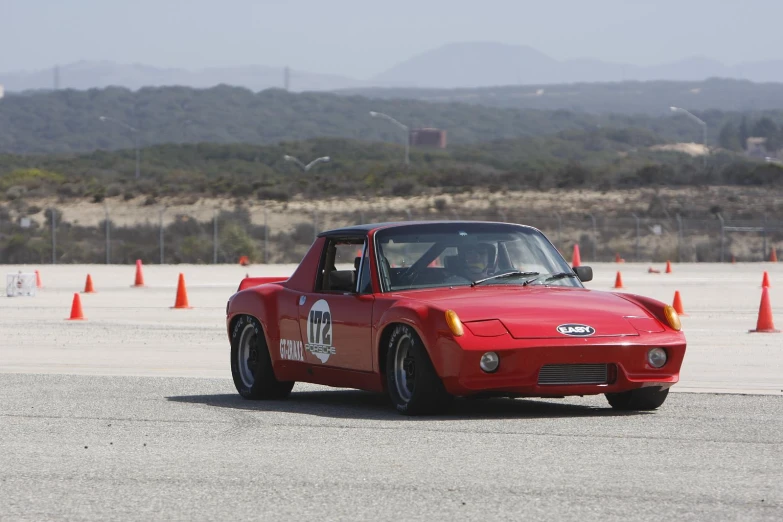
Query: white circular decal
x=319, y=331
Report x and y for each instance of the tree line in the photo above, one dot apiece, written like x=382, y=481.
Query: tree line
x=734, y=135
x=627, y=97
x=69, y=121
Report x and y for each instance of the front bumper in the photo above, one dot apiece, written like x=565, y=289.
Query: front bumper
x=522, y=360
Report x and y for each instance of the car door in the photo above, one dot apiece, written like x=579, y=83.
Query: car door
x=335, y=319
x=286, y=340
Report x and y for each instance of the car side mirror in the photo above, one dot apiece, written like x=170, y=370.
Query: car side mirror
x=584, y=273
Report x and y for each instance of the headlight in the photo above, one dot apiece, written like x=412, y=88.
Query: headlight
x=672, y=317
x=489, y=362
x=455, y=325
x=657, y=357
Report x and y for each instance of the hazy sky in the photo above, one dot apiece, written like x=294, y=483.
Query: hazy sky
x=361, y=38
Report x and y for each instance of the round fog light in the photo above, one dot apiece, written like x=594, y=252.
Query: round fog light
x=656, y=357
x=489, y=362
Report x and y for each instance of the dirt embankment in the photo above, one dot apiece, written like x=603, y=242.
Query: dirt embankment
x=736, y=203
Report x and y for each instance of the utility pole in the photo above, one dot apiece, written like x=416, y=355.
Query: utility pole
x=215, y=239
x=700, y=122
x=133, y=130
x=403, y=127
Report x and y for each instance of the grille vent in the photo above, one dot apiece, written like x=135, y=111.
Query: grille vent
x=574, y=374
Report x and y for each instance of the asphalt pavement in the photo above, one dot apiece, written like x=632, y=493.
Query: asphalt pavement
x=125, y=448
x=131, y=415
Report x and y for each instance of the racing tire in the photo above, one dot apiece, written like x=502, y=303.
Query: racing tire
x=251, y=365
x=413, y=385
x=642, y=399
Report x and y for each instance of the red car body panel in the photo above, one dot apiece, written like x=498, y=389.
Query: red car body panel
x=518, y=323
x=250, y=282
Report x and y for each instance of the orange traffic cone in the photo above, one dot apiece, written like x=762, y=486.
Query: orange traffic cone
x=668, y=267
x=576, y=260
x=677, y=305
x=618, y=281
x=88, y=288
x=38, y=283
x=652, y=270
x=76, y=309
x=139, y=274
x=244, y=260
x=765, y=281
x=618, y=259
x=733, y=260
x=182, y=294
x=764, y=323
x=773, y=255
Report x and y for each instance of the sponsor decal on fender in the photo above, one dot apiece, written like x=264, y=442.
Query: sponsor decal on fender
x=576, y=330
x=319, y=331
x=291, y=350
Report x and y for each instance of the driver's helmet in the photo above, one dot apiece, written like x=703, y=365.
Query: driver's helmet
x=476, y=258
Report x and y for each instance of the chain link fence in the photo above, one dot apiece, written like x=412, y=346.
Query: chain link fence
x=284, y=236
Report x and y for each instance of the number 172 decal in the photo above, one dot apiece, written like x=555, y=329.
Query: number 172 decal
x=319, y=331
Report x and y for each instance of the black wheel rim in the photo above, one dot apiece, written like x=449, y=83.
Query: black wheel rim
x=404, y=368
x=247, y=355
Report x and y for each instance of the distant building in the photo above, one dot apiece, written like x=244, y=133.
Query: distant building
x=756, y=147
x=428, y=137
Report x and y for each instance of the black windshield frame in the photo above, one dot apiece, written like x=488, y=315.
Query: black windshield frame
x=418, y=232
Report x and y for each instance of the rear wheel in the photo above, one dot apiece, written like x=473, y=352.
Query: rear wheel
x=413, y=384
x=251, y=365
x=638, y=400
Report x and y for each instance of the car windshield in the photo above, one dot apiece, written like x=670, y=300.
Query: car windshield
x=429, y=255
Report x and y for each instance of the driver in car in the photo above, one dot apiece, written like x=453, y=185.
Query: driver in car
x=475, y=260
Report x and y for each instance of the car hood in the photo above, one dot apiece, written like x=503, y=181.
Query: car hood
x=536, y=312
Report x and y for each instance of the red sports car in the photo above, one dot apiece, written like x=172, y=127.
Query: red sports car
x=426, y=311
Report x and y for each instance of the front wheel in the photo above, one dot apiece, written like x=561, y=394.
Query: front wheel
x=641, y=399
x=251, y=365
x=413, y=384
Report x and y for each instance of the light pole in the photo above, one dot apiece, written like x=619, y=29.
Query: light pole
x=636, y=256
x=108, y=232
x=400, y=125
x=186, y=128
x=135, y=132
x=700, y=122
x=160, y=239
x=322, y=159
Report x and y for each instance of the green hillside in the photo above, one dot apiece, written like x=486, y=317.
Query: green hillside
x=631, y=97
x=604, y=159
x=68, y=121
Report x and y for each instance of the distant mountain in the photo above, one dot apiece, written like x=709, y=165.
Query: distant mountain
x=488, y=64
x=473, y=65
x=88, y=75
x=453, y=66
